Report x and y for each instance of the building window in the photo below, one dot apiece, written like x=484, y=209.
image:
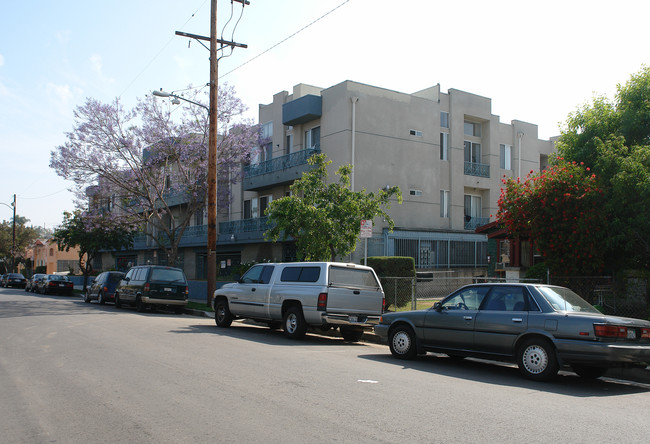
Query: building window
x=248, y=212
x=415, y=133
x=51, y=251
x=444, y=203
x=473, y=212
x=444, y=119
x=506, y=156
x=266, y=131
x=415, y=193
x=312, y=138
x=198, y=217
x=264, y=204
x=472, y=152
x=288, y=147
x=472, y=129
x=444, y=146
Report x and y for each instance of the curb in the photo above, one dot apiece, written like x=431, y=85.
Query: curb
x=641, y=375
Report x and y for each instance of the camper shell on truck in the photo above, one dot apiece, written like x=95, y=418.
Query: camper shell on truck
x=300, y=295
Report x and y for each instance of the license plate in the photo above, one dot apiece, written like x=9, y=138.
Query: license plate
x=352, y=318
x=61, y=285
x=168, y=289
x=631, y=334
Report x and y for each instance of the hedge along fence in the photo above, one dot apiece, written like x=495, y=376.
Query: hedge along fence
x=397, y=276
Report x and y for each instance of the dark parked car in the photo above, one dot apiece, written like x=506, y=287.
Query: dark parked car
x=55, y=283
x=13, y=280
x=149, y=285
x=103, y=287
x=540, y=327
x=33, y=281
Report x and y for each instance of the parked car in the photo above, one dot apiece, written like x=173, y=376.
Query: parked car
x=33, y=281
x=299, y=295
x=13, y=280
x=55, y=283
x=540, y=327
x=151, y=285
x=103, y=287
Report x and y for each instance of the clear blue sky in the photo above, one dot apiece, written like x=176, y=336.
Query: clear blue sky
x=537, y=61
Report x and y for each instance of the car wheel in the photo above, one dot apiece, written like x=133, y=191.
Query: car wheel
x=139, y=305
x=295, y=326
x=100, y=298
x=351, y=334
x=536, y=359
x=222, y=316
x=401, y=342
x=118, y=303
x=589, y=371
x=87, y=297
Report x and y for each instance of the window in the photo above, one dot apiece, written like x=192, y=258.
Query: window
x=444, y=203
x=51, y=251
x=415, y=133
x=264, y=204
x=509, y=298
x=266, y=131
x=289, y=145
x=472, y=129
x=415, y=192
x=468, y=299
x=300, y=274
x=444, y=146
x=259, y=274
x=352, y=277
x=312, y=138
x=472, y=207
x=198, y=217
x=250, y=208
x=506, y=156
x=472, y=152
x=444, y=119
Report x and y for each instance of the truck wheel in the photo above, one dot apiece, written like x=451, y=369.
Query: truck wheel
x=351, y=334
x=222, y=316
x=139, y=305
x=295, y=326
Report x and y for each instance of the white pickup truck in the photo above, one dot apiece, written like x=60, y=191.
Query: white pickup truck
x=300, y=295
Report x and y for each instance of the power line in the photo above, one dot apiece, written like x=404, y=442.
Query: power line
x=282, y=41
x=160, y=52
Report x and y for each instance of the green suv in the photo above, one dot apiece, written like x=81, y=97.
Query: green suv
x=151, y=285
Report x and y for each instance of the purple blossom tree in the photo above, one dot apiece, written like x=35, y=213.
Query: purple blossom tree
x=147, y=167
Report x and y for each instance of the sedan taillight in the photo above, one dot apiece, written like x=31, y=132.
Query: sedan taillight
x=610, y=331
x=645, y=333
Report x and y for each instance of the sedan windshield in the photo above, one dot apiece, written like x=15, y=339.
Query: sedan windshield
x=563, y=299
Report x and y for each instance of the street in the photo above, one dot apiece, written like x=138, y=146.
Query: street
x=72, y=372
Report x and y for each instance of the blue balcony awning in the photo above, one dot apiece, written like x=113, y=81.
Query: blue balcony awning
x=302, y=110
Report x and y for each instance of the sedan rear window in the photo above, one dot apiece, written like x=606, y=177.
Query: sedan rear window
x=563, y=299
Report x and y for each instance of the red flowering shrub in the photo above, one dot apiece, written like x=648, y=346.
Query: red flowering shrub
x=561, y=210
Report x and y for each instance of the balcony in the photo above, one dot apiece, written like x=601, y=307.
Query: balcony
x=277, y=171
x=472, y=223
x=477, y=169
x=243, y=231
x=302, y=110
x=192, y=237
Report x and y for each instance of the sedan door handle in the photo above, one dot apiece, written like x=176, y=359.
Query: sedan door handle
x=356, y=292
x=467, y=318
x=517, y=320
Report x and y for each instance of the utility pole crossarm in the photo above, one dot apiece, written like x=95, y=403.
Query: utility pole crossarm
x=200, y=37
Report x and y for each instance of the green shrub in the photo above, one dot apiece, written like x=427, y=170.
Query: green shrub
x=398, y=292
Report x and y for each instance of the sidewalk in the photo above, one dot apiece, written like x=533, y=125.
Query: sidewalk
x=641, y=375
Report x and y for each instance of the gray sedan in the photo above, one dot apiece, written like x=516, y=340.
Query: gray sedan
x=540, y=327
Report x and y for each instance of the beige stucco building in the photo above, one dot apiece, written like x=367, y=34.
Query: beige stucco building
x=46, y=253
x=445, y=150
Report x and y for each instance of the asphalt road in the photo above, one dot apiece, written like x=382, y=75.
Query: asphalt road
x=77, y=373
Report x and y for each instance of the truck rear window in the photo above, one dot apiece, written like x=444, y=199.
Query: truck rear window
x=352, y=277
x=300, y=274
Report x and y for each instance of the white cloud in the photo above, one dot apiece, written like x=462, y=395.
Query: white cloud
x=97, y=65
x=61, y=92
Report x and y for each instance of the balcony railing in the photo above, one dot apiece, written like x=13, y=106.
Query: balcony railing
x=281, y=163
x=244, y=226
x=477, y=169
x=192, y=236
x=473, y=223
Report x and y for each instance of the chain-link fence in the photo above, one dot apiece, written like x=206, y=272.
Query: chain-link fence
x=630, y=298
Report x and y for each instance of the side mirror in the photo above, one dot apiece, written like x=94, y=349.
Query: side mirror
x=437, y=306
x=126, y=279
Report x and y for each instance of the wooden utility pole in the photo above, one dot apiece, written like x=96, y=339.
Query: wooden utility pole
x=212, y=143
x=212, y=158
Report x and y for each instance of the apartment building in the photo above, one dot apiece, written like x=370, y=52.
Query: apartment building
x=446, y=151
x=46, y=253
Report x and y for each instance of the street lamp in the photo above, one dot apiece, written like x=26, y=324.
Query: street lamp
x=177, y=99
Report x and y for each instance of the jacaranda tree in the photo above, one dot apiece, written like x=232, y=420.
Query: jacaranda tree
x=561, y=210
x=147, y=167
